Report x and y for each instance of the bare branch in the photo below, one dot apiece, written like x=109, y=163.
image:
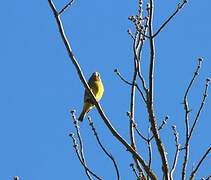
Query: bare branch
x=66, y=7
x=97, y=105
x=138, y=52
x=134, y=170
x=129, y=83
x=179, y=7
x=122, y=78
x=137, y=21
x=201, y=106
x=164, y=122
x=75, y=145
x=150, y=108
x=103, y=148
x=132, y=114
x=187, y=111
x=199, y=163
x=75, y=121
x=135, y=126
x=176, y=139
x=208, y=178
x=131, y=34
x=149, y=146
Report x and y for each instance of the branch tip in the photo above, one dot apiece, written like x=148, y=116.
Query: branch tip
x=16, y=178
x=116, y=70
x=208, y=80
x=71, y=134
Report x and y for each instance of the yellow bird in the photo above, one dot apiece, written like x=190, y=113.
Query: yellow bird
x=97, y=89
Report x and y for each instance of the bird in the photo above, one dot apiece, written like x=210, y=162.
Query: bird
x=97, y=88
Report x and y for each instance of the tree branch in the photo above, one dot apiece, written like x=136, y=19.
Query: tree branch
x=97, y=105
x=179, y=7
x=75, y=145
x=176, y=139
x=66, y=7
x=161, y=126
x=103, y=148
x=149, y=146
x=201, y=107
x=199, y=163
x=187, y=111
x=75, y=122
x=129, y=83
x=134, y=170
x=150, y=108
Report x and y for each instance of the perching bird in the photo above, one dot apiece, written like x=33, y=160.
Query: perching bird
x=97, y=89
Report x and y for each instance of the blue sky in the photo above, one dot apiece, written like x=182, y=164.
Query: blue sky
x=39, y=84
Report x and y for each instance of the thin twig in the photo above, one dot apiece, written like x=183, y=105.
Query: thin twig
x=75, y=145
x=164, y=122
x=129, y=83
x=134, y=170
x=103, y=148
x=149, y=146
x=132, y=113
x=176, y=139
x=139, y=50
x=187, y=126
x=208, y=178
x=136, y=128
x=179, y=7
x=199, y=163
x=66, y=7
x=133, y=89
x=141, y=135
x=75, y=121
x=97, y=105
x=201, y=106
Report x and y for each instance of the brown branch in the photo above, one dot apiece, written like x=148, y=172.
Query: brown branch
x=176, y=156
x=97, y=105
x=66, y=7
x=103, y=148
x=75, y=145
x=187, y=111
x=179, y=7
x=150, y=108
x=199, y=163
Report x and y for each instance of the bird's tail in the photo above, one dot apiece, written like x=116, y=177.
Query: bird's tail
x=87, y=107
x=81, y=117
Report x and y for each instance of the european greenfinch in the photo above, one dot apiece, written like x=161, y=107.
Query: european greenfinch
x=97, y=89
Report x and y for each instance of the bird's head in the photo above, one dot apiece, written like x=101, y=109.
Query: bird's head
x=96, y=76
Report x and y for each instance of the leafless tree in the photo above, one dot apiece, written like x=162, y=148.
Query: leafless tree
x=144, y=86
